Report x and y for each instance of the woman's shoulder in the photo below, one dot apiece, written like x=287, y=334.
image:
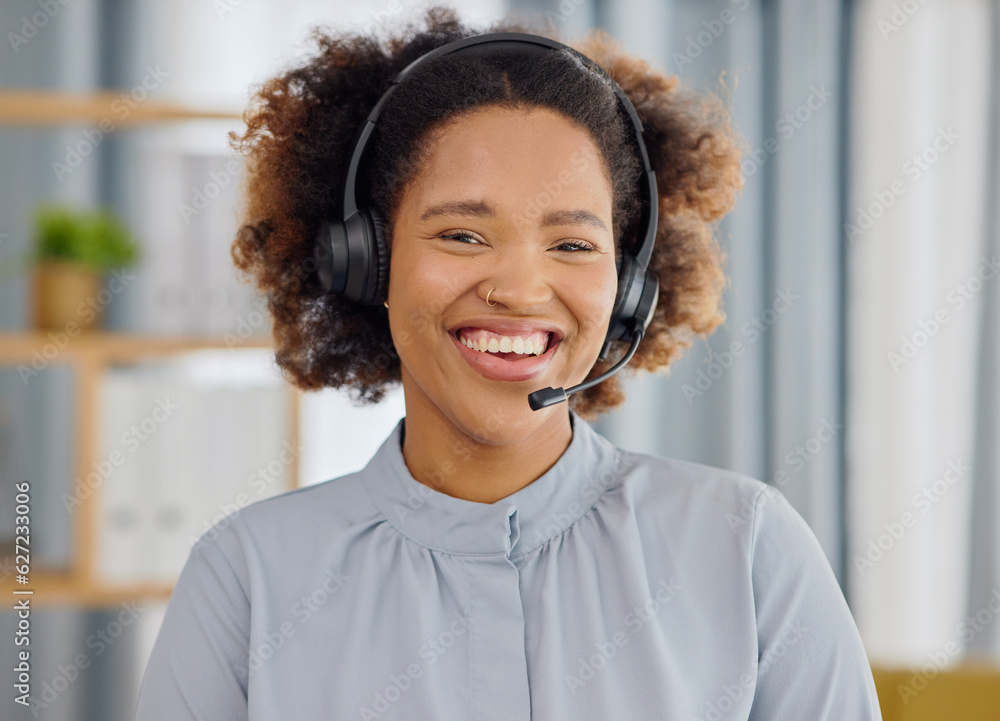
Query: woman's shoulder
x=733, y=518
x=314, y=511
x=661, y=483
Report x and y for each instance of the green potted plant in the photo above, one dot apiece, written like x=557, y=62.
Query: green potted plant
x=73, y=249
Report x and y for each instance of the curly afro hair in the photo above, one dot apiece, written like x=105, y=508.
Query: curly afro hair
x=300, y=127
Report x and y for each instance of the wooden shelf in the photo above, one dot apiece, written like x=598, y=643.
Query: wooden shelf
x=34, y=107
x=110, y=347
x=55, y=588
x=89, y=353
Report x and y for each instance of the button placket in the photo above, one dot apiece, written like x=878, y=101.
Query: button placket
x=498, y=653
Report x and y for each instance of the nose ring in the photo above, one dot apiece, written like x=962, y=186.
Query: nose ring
x=488, y=298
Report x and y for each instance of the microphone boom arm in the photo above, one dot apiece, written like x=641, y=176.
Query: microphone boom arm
x=550, y=396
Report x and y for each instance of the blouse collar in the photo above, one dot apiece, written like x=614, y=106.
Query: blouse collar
x=514, y=525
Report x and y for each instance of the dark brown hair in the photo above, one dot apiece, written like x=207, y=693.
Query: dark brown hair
x=300, y=127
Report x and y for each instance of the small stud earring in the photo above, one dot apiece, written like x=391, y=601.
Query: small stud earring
x=385, y=303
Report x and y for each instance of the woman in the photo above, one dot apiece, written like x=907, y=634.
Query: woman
x=495, y=561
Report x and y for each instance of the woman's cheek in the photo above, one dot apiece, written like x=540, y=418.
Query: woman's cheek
x=430, y=288
x=442, y=281
x=598, y=303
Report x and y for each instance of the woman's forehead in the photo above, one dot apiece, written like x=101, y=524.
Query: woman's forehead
x=512, y=159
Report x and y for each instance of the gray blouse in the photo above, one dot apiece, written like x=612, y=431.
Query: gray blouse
x=618, y=585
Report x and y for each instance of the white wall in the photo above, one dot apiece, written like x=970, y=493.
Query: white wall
x=921, y=89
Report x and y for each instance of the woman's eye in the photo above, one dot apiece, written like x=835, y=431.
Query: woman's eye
x=572, y=246
x=465, y=237
x=575, y=246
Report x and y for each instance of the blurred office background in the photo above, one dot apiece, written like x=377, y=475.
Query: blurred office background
x=858, y=371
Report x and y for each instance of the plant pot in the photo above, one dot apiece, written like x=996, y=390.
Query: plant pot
x=66, y=293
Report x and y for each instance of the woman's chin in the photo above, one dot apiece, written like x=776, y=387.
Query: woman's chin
x=494, y=420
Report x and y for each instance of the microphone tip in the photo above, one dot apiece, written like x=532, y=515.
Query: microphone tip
x=546, y=397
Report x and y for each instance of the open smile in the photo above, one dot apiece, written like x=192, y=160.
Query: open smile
x=507, y=366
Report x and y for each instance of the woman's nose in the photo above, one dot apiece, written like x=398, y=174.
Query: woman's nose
x=521, y=280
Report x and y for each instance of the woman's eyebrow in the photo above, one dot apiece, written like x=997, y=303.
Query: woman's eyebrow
x=470, y=208
x=572, y=217
x=482, y=209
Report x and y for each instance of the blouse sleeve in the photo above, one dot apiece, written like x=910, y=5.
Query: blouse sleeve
x=811, y=661
x=198, y=669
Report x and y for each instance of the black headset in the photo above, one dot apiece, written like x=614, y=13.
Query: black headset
x=352, y=253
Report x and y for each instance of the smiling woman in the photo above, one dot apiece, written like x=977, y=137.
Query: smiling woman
x=493, y=561
x=512, y=175
x=303, y=124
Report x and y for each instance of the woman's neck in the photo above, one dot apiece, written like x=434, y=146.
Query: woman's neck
x=467, y=465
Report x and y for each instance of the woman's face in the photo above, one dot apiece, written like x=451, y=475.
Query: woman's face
x=513, y=200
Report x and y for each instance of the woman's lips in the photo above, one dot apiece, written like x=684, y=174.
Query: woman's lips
x=497, y=368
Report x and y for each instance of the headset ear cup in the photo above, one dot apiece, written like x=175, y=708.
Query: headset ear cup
x=381, y=289
x=323, y=255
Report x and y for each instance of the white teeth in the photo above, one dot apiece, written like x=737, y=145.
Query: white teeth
x=507, y=344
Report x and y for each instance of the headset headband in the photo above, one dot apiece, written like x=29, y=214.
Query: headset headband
x=521, y=43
